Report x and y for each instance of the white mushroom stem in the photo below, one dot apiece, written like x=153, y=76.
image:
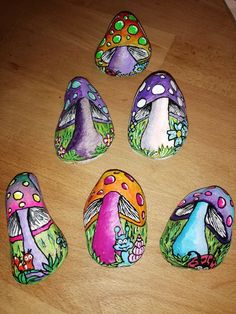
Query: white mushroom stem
x=155, y=134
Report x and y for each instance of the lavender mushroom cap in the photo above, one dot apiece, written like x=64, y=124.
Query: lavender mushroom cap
x=220, y=214
x=158, y=85
x=79, y=88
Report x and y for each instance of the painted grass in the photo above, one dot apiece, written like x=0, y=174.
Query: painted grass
x=171, y=232
x=47, y=243
x=67, y=134
x=135, y=138
x=133, y=233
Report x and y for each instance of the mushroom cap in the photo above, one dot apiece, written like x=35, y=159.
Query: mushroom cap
x=218, y=199
x=79, y=88
x=124, y=30
x=155, y=86
x=129, y=189
x=23, y=192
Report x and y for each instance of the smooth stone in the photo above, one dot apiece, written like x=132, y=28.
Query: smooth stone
x=124, y=49
x=85, y=129
x=115, y=220
x=158, y=123
x=37, y=245
x=198, y=233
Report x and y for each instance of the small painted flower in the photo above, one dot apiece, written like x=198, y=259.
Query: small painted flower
x=132, y=126
x=107, y=140
x=140, y=67
x=178, y=134
x=58, y=140
x=111, y=130
x=61, y=151
x=61, y=241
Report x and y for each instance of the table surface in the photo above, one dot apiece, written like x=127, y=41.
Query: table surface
x=46, y=43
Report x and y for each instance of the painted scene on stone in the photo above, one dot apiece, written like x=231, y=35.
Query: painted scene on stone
x=158, y=123
x=125, y=49
x=115, y=220
x=198, y=233
x=37, y=245
x=84, y=130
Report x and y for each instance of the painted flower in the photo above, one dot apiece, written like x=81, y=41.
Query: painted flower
x=58, y=141
x=107, y=140
x=111, y=130
x=140, y=67
x=61, y=151
x=61, y=241
x=132, y=126
x=178, y=134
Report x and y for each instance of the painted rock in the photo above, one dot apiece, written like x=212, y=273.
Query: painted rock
x=125, y=49
x=38, y=246
x=198, y=233
x=84, y=130
x=115, y=220
x=158, y=124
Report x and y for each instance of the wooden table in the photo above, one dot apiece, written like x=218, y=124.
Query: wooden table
x=46, y=43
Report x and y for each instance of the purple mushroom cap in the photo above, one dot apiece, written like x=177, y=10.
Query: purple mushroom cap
x=220, y=214
x=79, y=88
x=159, y=85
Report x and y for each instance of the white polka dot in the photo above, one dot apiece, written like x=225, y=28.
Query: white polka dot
x=171, y=91
x=172, y=83
x=180, y=102
x=148, y=87
x=141, y=103
x=133, y=114
x=142, y=86
x=163, y=76
x=158, y=89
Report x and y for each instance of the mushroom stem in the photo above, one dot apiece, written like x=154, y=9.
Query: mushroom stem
x=192, y=237
x=85, y=138
x=104, y=236
x=29, y=242
x=122, y=61
x=155, y=134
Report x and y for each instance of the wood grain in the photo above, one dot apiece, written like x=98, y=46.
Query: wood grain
x=46, y=43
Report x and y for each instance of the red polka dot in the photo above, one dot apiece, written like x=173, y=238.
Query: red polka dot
x=208, y=193
x=100, y=192
x=182, y=202
x=229, y=221
x=109, y=180
x=124, y=186
x=221, y=202
x=129, y=177
x=139, y=199
x=143, y=214
x=232, y=203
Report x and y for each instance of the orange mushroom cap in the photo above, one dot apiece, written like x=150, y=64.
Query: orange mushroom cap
x=124, y=30
x=123, y=183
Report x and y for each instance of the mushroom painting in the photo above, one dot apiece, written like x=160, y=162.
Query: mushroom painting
x=84, y=130
x=199, y=232
x=158, y=123
x=115, y=220
x=125, y=49
x=35, y=239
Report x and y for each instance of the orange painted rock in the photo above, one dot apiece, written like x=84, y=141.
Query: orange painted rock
x=115, y=220
x=38, y=246
x=125, y=49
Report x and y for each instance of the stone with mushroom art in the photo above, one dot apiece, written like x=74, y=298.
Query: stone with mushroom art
x=158, y=124
x=115, y=220
x=198, y=233
x=84, y=130
x=125, y=49
x=37, y=245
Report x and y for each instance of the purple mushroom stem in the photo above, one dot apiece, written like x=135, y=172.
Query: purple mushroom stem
x=108, y=219
x=158, y=123
x=84, y=130
x=29, y=242
x=122, y=60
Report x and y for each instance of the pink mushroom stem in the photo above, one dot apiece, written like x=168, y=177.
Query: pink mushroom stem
x=108, y=219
